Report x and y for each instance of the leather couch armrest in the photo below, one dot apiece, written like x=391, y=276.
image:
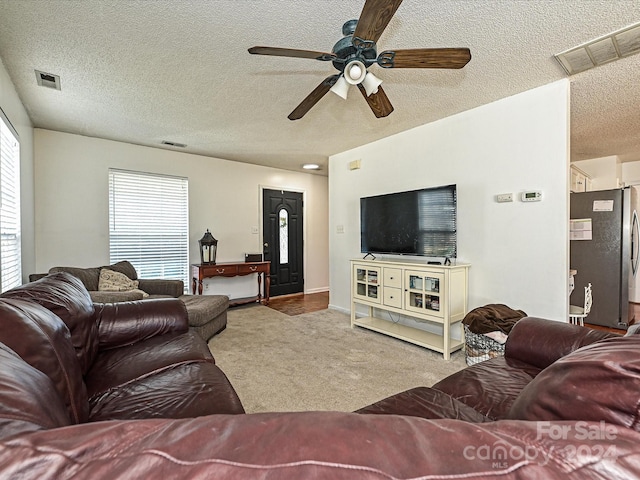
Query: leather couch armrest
x=335, y=446
x=158, y=286
x=124, y=323
x=541, y=342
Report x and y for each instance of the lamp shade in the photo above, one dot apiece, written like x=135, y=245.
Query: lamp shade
x=341, y=87
x=371, y=83
x=355, y=72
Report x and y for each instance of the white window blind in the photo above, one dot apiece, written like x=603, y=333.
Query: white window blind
x=149, y=223
x=10, y=237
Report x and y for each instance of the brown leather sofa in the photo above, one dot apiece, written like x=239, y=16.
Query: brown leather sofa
x=207, y=313
x=124, y=391
x=115, y=361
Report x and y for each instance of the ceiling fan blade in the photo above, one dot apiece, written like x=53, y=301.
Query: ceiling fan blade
x=292, y=52
x=313, y=98
x=378, y=102
x=374, y=18
x=425, y=58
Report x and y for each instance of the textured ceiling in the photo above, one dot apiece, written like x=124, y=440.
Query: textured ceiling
x=152, y=70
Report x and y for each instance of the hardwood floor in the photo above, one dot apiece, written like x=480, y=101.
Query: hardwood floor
x=634, y=317
x=300, y=303
x=606, y=329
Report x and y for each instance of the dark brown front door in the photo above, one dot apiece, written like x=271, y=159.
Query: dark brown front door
x=282, y=240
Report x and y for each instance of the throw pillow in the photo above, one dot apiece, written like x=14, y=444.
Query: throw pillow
x=111, y=281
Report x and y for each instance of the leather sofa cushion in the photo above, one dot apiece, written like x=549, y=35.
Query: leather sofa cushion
x=599, y=382
x=489, y=387
x=163, y=376
x=28, y=398
x=43, y=341
x=424, y=402
x=183, y=390
x=118, y=366
x=65, y=296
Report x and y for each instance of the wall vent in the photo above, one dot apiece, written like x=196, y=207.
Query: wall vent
x=174, y=144
x=616, y=45
x=48, y=80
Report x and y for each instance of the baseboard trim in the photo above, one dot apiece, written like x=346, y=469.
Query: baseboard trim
x=339, y=309
x=316, y=290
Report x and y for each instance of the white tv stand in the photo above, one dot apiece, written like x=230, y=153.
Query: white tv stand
x=432, y=293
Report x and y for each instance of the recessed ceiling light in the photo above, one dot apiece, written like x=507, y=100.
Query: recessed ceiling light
x=613, y=46
x=311, y=166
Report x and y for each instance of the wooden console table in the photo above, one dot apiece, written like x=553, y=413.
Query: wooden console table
x=234, y=269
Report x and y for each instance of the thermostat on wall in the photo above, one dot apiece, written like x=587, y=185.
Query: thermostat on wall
x=532, y=196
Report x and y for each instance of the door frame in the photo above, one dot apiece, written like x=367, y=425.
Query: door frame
x=261, y=189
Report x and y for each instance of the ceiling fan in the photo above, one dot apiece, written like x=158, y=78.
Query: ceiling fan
x=356, y=52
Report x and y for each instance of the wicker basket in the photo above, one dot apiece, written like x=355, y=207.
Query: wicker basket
x=479, y=348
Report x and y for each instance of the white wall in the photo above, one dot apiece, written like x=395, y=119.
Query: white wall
x=631, y=173
x=518, y=251
x=72, y=204
x=605, y=172
x=17, y=115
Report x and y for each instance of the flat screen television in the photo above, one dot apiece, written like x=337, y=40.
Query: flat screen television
x=417, y=222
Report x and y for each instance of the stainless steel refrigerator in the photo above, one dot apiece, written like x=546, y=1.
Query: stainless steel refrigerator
x=604, y=249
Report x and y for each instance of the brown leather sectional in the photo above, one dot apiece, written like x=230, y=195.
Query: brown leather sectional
x=117, y=361
x=126, y=391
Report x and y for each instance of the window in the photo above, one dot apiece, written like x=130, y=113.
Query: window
x=284, y=236
x=10, y=237
x=149, y=223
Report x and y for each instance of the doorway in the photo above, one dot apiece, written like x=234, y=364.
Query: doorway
x=282, y=220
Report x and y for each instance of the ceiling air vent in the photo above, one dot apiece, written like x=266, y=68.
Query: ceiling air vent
x=48, y=80
x=602, y=50
x=174, y=144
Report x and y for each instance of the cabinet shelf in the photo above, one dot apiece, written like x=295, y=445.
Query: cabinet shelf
x=436, y=294
x=429, y=340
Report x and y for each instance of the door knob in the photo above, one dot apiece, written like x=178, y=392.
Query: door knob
x=266, y=245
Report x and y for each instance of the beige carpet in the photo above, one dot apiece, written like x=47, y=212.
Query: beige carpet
x=316, y=361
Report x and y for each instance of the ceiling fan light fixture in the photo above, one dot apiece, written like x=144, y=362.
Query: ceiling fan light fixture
x=341, y=87
x=371, y=83
x=355, y=72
